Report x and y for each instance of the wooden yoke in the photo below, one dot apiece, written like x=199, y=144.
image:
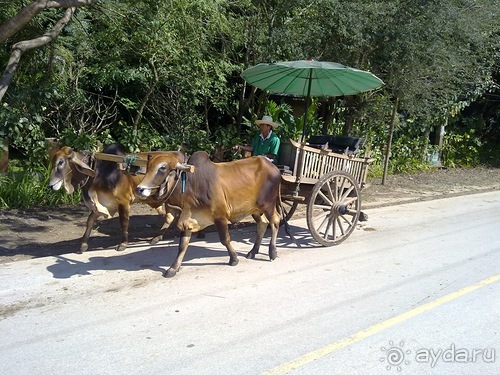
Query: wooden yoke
x=126, y=161
x=129, y=163
x=137, y=161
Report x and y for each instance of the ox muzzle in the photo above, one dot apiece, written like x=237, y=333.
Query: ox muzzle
x=161, y=191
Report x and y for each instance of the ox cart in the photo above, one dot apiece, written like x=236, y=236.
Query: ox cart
x=328, y=180
x=325, y=174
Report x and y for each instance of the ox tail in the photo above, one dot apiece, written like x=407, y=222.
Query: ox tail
x=288, y=230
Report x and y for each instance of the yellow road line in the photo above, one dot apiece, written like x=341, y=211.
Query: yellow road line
x=309, y=357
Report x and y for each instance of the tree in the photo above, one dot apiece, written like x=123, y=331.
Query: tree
x=154, y=74
x=9, y=28
x=436, y=55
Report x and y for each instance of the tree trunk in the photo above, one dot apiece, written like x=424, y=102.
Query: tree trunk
x=389, y=139
x=241, y=108
x=206, y=109
x=349, y=116
x=21, y=19
x=327, y=114
x=19, y=48
x=441, y=131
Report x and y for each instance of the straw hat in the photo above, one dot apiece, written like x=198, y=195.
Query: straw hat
x=267, y=120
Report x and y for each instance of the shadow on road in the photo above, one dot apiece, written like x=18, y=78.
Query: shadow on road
x=158, y=258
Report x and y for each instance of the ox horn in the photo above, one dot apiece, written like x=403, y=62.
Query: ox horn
x=184, y=167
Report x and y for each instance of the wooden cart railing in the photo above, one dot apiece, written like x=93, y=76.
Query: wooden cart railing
x=315, y=163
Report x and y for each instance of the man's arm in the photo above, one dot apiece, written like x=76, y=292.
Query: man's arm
x=243, y=148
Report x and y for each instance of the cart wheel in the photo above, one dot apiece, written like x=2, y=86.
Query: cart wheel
x=334, y=208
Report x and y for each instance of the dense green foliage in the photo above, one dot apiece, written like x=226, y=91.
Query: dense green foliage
x=155, y=75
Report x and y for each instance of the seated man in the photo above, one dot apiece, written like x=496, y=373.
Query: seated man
x=266, y=143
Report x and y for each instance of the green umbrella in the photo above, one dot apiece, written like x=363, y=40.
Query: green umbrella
x=310, y=78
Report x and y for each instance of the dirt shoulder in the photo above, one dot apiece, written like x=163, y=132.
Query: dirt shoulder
x=436, y=184
x=37, y=233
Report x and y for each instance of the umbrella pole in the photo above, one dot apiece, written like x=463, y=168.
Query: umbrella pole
x=304, y=129
x=303, y=139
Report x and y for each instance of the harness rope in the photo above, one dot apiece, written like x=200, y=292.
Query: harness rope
x=171, y=191
x=129, y=161
x=91, y=166
x=183, y=187
x=61, y=179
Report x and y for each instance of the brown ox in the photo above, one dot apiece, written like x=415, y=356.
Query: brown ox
x=106, y=190
x=215, y=193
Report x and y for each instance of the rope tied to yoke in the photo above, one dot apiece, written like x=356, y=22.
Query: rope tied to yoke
x=129, y=161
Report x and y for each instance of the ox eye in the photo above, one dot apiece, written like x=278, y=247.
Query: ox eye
x=163, y=168
x=60, y=162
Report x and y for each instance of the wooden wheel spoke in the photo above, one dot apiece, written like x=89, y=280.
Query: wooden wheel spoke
x=340, y=226
x=350, y=213
x=351, y=204
x=329, y=224
x=325, y=198
x=324, y=221
x=322, y=207
x=331, y=193
x=333, y=229
x=346, y=193
x=336, y=188
x=348, y=222
x=341, y=188
x=349, y=200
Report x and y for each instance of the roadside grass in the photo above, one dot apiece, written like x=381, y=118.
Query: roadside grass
x=30, y=188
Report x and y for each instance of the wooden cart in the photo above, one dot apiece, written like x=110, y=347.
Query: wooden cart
x=329, y=183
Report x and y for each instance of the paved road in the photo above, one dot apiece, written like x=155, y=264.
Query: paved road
x=414, y=290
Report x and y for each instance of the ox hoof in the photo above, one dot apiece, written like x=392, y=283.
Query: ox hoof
x=121, y=247
x=155, y=240
x=273, y=255
x=170, y=273
x=83, y=248
x=251, y=255
x=234, y=262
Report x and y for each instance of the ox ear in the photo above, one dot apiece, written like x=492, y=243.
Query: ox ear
x=81, y=166
x=185, y=167
x=84, y=168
